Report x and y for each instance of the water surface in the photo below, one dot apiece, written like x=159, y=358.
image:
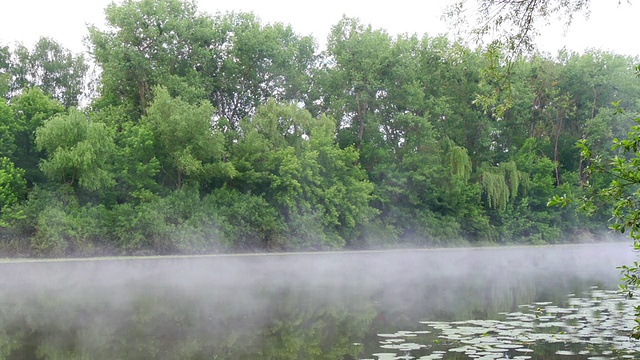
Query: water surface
x=303, y=306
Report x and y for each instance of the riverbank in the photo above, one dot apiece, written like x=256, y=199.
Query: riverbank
x=8, y=260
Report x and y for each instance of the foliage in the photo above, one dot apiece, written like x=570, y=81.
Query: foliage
x=78, y=150
x=312, y=181
x=256, y=62
x=12, y=189
x=213, y=133
x=515, y=22
x=52, y=68
x=30, y=110
x=185, y=144
x=149, y=43
x=501, y=184
x=7, y=130
x=623, y=192
x=247, y=221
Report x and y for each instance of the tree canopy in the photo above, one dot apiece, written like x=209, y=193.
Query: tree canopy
x=209, y=133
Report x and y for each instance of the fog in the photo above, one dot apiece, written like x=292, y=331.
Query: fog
x=277, y=306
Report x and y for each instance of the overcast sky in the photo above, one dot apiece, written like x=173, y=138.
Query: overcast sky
x=610, y=27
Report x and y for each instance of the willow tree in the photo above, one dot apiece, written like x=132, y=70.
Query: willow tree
x=515, y=23
x=457, y=160
x=501, y=184
x=78, y=151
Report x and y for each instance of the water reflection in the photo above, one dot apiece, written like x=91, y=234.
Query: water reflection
x=330, y=306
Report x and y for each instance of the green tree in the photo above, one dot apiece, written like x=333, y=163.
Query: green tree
x=30, y=110
x=232, y=59
x=292, y=159
x=7, y=130
x=5, y=75
x=255, y=62
x=135, y=162
x=184, y=139
x=149, y=43
x=49, y=66
x=358, y=59
x=78, y=151
x=398, y=100
x=450, y=74
x=12, y=190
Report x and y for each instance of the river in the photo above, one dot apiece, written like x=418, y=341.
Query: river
x=517, y=302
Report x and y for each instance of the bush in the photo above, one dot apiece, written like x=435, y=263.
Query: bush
x=247, y=221
x=192, y=222
x=137, y=228
x=306, y=232
x=51, y=237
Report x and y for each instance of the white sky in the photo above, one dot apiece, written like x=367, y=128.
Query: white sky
x=610, y=27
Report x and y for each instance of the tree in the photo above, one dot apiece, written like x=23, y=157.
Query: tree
x=7, y=130
x=232, y=60
x=360, y=57
x=292, y=159
x=5, y=75
x=255, y=62
x=31, y=109
x=185, y=142
x=78, y=151
x=55, y=70
x=514, y=22
x=149, y=43
x=517, y=21
x=12, y=190
x=450, y=74
x=135, y=163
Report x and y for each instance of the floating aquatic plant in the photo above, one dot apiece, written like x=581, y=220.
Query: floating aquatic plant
x=595, y=326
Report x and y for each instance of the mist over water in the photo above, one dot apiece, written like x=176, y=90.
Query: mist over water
x=302, y=306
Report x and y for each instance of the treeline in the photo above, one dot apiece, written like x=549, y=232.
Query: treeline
x=207, y=133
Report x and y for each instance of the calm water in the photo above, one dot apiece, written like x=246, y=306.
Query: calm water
x=321, y=306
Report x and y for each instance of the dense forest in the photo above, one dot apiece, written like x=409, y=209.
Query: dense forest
x=185, y=132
